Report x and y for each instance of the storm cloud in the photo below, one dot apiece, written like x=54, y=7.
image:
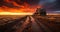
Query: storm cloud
x=48, y=4
x=52, y=5
x=8, y=3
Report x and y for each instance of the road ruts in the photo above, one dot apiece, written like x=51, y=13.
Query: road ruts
x=35, y=26
x=45, y=28
x=39, y=27
x=24, y=25
x=28, y=28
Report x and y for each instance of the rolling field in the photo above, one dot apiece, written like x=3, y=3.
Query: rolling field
x=9, y=18
x=31, y=23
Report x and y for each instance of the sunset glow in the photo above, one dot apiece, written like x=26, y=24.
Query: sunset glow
x=11, y=7
x=10, y=13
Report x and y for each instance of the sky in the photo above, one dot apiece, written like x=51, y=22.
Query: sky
x=49, y=5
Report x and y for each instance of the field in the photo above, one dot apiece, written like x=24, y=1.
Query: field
x=30, y=23
x=8, y=18
x=49, y=23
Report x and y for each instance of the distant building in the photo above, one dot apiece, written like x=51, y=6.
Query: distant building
x=40, y=11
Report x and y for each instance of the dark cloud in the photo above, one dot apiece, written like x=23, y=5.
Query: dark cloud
x=20, y=2
x=57, y=6
x=3, y=3
x=28, y=1
x=52, y=5
x=48, y=4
